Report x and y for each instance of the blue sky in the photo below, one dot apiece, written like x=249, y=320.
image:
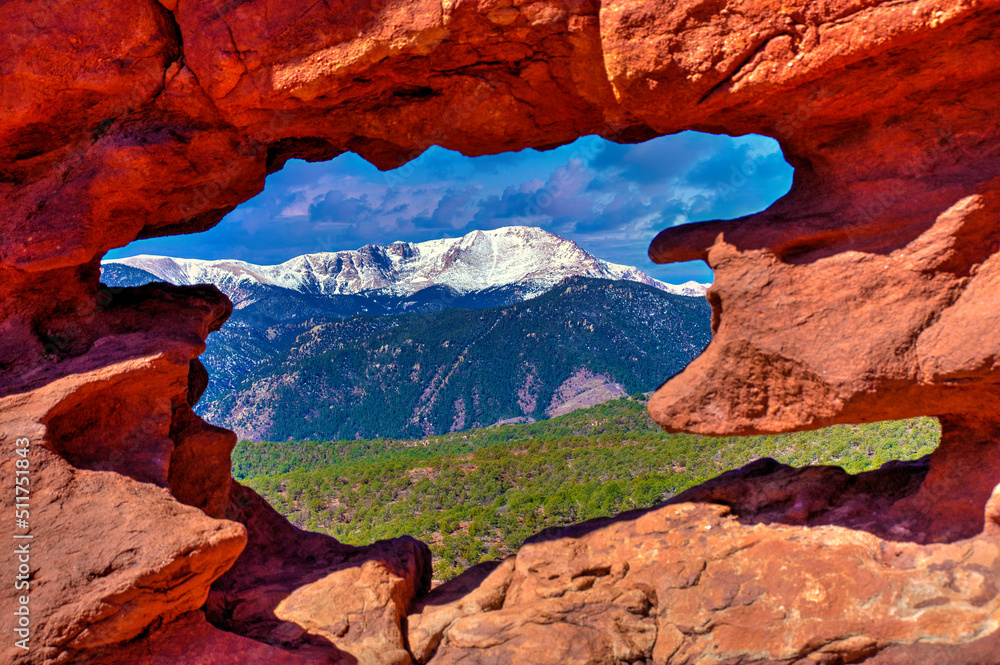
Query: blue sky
x=611, y=199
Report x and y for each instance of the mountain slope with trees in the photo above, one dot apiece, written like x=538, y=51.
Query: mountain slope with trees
x=585, y=341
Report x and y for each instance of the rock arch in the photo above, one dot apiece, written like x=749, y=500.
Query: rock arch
x=868, y=292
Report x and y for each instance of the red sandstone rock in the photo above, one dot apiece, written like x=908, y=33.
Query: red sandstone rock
x=300, y=589
x=689, y=582
x=480, y=589
x=110, y=558
x=192, y=640
x=112, y=431
x=866, y=293
x=872, y=349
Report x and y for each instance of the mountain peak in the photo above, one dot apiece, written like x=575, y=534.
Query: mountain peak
x=483, y=259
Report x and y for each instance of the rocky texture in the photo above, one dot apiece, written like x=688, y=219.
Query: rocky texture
x=866, y=293
x=297, y=589
x=191, y=639
x=583, y=389
x=895, y=335
x=121, y=575
x=132, y=511
x=692, y=582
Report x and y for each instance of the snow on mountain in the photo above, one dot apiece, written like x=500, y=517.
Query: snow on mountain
x=521, y=255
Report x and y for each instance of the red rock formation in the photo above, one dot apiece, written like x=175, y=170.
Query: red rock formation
x=869, y=292
x=302, y=589
x=689, y=582
x=116, y=453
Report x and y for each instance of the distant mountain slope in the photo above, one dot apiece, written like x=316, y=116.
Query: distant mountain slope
x=300, y=355
x=585, y=341
x=529, y=259
x=122, y=274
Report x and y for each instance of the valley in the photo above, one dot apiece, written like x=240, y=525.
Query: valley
x=475, y=496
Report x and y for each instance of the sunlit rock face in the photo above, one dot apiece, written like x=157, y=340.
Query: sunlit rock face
x=868, y=292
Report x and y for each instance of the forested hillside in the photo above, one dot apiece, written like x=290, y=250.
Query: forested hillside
x=476, y=495
x=415, y=375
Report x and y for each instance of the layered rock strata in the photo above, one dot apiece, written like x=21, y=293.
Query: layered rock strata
x=868, y=292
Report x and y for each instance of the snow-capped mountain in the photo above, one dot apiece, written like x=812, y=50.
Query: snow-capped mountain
x=438, y=306
x=530, y=258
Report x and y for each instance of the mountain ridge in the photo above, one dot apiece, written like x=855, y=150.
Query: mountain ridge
x=528, y=257
x=304, y=353
x=415, y=374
